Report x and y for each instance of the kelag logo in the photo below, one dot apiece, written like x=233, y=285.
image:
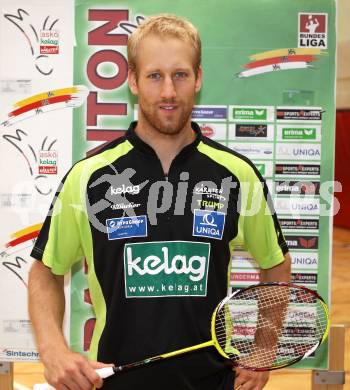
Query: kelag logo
x=49, y=41
x=208, y=224
x=48, y=162
x=169, y=268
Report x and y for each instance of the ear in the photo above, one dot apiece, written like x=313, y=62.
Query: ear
x=132, y=81
x=198, y=84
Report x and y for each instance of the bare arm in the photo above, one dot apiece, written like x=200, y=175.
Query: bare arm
x=64, y=369
x=254, y=380
x=279, y=273
x=46, y=307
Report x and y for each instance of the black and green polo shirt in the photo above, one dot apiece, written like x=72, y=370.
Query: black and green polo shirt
x=158, y=249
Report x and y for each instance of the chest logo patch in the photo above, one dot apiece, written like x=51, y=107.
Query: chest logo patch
x=166, y=269
x=125, y=227
x=208, y=223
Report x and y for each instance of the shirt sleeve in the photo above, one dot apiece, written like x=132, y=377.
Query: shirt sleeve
x=262, y=234
x=58, y=245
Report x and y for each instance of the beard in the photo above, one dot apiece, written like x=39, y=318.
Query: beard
x=167, y=126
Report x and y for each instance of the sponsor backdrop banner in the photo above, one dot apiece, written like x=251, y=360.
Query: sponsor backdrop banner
x=268, y=93
x=36, y=76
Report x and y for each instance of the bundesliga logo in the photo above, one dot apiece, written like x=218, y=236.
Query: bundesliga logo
x=312, y=30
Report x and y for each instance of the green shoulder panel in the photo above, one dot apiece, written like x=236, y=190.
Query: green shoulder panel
x=256, y=227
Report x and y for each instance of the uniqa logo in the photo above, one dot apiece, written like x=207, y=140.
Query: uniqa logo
x=299, y=151
x=306, y=152
x=302, y=207
x=304, y=260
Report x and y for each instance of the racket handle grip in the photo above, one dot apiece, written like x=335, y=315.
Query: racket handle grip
x=104, y=372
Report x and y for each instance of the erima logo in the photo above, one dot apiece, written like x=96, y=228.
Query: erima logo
x=193, y=266
x=259, y=112
x=309, y=132
x=125, y=190
x=287, y=188
x=246, y=112
x=293, y=243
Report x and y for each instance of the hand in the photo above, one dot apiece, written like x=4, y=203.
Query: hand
x=250, y=380
x=67, y=370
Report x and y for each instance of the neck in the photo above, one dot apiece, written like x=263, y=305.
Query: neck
x=166, y=146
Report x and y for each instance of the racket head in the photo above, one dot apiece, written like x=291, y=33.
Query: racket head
x=270, y=325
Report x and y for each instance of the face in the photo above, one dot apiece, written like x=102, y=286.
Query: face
x=165, y=83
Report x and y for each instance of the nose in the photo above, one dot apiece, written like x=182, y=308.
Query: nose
x=168, y=88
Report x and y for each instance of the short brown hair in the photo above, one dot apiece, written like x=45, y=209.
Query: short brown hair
x=165, y=25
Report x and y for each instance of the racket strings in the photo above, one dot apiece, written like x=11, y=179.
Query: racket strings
x=270, y=326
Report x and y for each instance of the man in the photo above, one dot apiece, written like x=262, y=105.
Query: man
x=156, y=214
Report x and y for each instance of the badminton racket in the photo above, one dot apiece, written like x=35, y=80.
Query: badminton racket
x=264, y=327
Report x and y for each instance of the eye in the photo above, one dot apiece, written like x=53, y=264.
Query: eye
x=180, y=75
x=154, y=76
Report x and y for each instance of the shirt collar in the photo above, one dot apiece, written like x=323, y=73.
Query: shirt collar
x=139, y=144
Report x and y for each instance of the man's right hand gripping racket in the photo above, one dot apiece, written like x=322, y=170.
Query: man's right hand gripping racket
x=263, y=327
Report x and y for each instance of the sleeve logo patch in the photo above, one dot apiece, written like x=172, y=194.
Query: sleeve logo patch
x=208, y=224
x=125, y=227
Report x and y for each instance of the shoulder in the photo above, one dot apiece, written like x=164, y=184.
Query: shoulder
x=240, y=166
x=104, y=156
x=77, y=178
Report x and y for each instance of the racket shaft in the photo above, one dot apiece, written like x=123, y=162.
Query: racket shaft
x=109, y=371
x=164, y=356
